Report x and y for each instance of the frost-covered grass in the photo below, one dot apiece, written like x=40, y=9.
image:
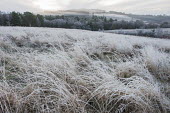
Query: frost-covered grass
x=157, y=33
x=46, y=70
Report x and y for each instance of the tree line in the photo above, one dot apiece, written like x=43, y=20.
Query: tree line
x=94, y=23
x=18, y=19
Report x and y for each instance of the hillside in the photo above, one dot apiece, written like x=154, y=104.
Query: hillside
x=45, y=70
x=88, y=12
x=111, y=14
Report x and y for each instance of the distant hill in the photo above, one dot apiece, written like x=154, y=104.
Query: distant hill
x=111, y=14
x=151, y=18
x=73, y=12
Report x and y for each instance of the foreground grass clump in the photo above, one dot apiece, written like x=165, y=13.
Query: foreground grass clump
x=73, y=71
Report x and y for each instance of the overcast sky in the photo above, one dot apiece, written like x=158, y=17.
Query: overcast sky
x=127, y=6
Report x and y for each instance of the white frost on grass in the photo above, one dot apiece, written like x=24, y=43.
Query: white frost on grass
x=45, y=70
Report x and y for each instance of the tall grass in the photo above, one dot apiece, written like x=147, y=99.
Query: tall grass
x=74, y=71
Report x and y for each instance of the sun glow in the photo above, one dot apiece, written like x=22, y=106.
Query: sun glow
x=46, y=5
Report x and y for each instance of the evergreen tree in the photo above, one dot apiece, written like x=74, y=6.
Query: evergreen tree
x=105, y=19
x=1, y=19
x=16, y=20
x=5, y=20
x=29, y=19
x=41, y=20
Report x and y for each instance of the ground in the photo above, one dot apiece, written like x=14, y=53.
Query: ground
x=156, y=33
x=45, y=70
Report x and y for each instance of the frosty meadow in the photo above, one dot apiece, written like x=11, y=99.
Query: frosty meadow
x=45, y=70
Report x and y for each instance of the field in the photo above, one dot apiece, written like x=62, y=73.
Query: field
x=157, y=33
x=45, y=70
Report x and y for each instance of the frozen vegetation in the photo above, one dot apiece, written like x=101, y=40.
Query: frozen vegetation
x=45, y=70
x=157, y=33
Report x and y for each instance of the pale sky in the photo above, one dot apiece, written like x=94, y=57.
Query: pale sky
x=127, y=6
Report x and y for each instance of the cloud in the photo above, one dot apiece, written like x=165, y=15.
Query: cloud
x=78, y=4
x=141, y=6
x=52, y=4
x=129, y=6
x=17, y=5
